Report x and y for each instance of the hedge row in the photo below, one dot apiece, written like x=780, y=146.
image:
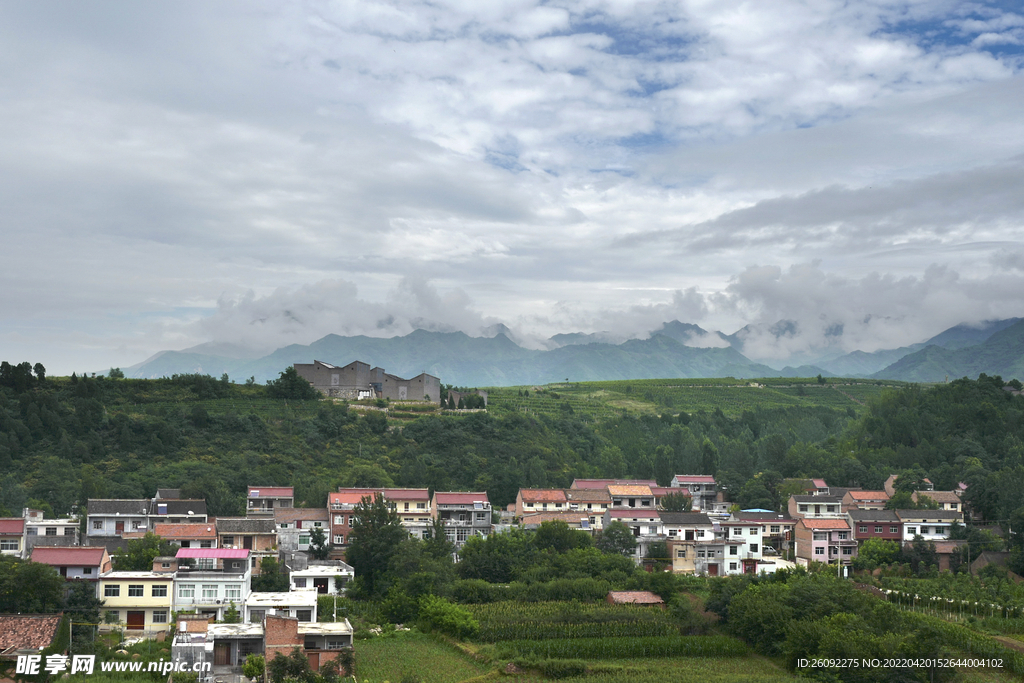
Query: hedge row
x=532, y=630
x=624, y=648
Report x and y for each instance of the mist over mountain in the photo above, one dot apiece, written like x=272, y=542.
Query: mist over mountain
x=676, y=349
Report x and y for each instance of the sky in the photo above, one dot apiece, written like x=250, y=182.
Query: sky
x=248, y=175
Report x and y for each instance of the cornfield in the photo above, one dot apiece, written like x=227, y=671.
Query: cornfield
x=625, y=648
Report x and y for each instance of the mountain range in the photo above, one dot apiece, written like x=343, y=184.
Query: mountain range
x=676, y=349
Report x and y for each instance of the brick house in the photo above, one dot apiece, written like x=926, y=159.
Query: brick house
x=946, y=500
x=881, y=524
x=530, y=501
x=865, y=500
x=824, y=540
x=258, y=535
x=188, y=535
x=815, y=506
x=264, y=500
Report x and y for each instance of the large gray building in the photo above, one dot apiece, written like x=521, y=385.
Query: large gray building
x=358, y=380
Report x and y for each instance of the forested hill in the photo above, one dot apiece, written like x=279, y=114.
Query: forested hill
x=63, y=441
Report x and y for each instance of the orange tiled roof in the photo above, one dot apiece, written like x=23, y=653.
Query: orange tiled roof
x=825, y=523
x=28, y=631
x=635, y=598
x=938, y=496
x=543, y=495
x=185, y=531
x=630, y=490
x=869, y=495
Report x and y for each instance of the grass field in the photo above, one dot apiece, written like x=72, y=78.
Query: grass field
x=414, y=656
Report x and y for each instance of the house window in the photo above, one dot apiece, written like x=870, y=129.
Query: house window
x=847, y=550
x=206, y=544
x=925, y=530
x=186, y=544
x=187, y=590
x=10, y=544
x=208, y=563
x=339, y=540
x=159, y=591
x=736, y=531
x=734, y=550
x=421, y=506
x=228, y=541
x=98, y=524
x=317, y=525
x=303, y=539
x=310, y=644
x=336, y=644
x=256, y=616
x=819, y=551
x=237, y=564
x=752, y=531
x=878, y=529
x=700, y=552
x=672, y=533
x=69, y=531
x=51, y=531
x=304, y=614
x=233, y=591
x=753, y=547
x=776, y=529
x=136, y=526
x=864, y=529
x=165, y=565
x=159, y=616
x=843, y=535
x=31, y=531
x=136, y=591
x=830, y=508
x=700, y=533
x=112, y=616
x=732, y=566
x=681, y=552
x=820, y=536
x=339, y=519
x=894, y=530
x=911, y=530
x=112, y=591
x=803, y=508
x=210, y=592
x=300, y=582
x=87, y=570
x=645, y=503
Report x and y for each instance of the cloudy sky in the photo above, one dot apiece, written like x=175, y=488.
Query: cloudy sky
x=263, y=174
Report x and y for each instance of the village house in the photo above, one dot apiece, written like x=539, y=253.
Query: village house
x=75, y=563
x=890, y=485
x=326, y=578
x=575, y=520
x=265, y=500
x=529, y=501
x=931, y=525
x=106, y=518
x=700, y=487
x=946, y=500
x=593, y=502
x=140, y=602
x=255, y=534
x=176, y=511
x=188, y=535
x=631, y=496
x=217, y=578
x=300, y=604
x=50, y=532
x=295, y=525
x=864, y=500
x=815, y=507
x=12, y=536
x=824, y=540
x=644, y=524
x=603, y=484
x=357, y=381
x=880, y=524
x=463, y=513
x=776, y=529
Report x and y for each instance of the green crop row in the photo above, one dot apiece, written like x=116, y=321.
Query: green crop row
x=624, y=648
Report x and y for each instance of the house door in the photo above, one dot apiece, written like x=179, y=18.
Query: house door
x=689, y=535
x=712, y=570
x=222, y=654
x=247, y=542
x=321, y=585
x=136, y=620
x=119, y=527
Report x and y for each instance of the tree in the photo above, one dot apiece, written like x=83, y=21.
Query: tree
x=291, y=385
x=40, y=372
x=876, y=552
x=437, y=545
x=318, y=547
x=557, y=536
x=29, y=587
x=83, y=607
x=254, y=666
x=616, y=538
x=676, y=502
x=115, y=373
x=377, y=533
x=270, y=579
x=231, y=615
x=140, y=553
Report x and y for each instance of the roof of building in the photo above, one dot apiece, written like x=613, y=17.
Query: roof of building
x=825, y=523
x=321, y=570
x=820, y=483
x=302, y=598
x=245, y=525
x=407, y=494
x=112, y=544
x=945, y=547
x=12, y=525
x=543, y=495
x=635, y=598
x=929, y=515
x=460, y=497
x=937, y=496
x=300, y=514
x=352, y=496
x=630, y=490
x=634, y=513
x=271, y=492
x=868, y=495
x=173, y=494
x=138, y=507
x=764, y=517
x=823, y=500
x=325, y=628
x=695, y=478
x=78, y=556
x=571, y=518
x=605, y=483
x=172, y=531
x=27, y=631
x=684, y=518
x=234, y=631
x=588, y=495
x=115, y=576
x=183, y=506
x=220, y=553
x=873, y=515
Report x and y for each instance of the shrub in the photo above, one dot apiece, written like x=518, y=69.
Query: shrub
x=254, y=666
x=440, y=615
